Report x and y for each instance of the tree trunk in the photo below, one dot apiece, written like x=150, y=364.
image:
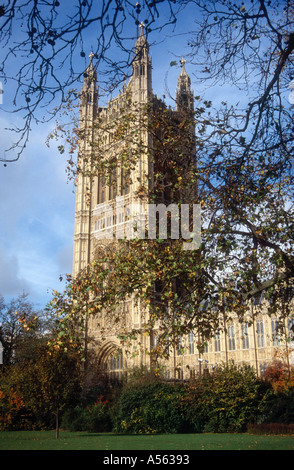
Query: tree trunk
x=57, y=424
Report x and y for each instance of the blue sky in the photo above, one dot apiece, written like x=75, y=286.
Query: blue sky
x=37, y=217
x=37, y=202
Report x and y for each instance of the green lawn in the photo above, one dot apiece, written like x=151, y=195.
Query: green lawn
x=45, y=440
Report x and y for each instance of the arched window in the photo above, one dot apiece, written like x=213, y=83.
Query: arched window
x=115, y=366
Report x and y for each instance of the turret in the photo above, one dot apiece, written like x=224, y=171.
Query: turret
x=142, y=80
x=89, y=92
x=184, y=96
x=88, y=113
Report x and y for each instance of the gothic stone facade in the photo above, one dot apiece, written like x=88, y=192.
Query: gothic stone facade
x=254, y=342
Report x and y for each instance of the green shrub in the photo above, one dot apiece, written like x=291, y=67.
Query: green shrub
x=99, y=416
x=92, y=418
x=151, y=408
x=75, y=419
x=226, y=400
x=278, y=407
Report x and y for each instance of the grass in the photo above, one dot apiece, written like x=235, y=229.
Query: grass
x=46, y=440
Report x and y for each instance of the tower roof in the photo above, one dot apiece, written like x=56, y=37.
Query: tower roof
x=184, y=96
x=90, y=73
x=183, y=77
x=141, y=41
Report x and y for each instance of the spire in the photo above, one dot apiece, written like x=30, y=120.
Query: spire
x=141, y=28
x=141, y=40
x=184, y=81
x=182, y=62
x=89, y=93
x=184, y=97
x=90, y=74
x=142, y=86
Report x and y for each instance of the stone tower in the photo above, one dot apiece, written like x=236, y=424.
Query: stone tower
x=252, y=342
x=90, y=192
x=97, y=198
x=83, y=209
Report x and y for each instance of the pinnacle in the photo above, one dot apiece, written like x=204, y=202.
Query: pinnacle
x=182, y=62
x=142, y=26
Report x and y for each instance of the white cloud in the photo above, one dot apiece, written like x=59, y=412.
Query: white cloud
x=11, y=282
x=37, y=219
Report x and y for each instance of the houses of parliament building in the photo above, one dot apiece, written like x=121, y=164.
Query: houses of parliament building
x=255, y=342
